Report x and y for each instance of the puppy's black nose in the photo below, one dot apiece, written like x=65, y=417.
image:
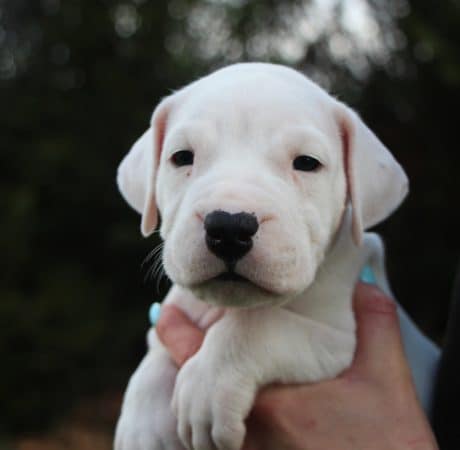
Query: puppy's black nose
x=229, y=236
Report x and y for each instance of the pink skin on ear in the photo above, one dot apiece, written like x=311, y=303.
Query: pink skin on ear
x=351, y=178
x=158, y=124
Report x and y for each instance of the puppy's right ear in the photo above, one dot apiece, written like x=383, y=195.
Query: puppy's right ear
x=137, y=171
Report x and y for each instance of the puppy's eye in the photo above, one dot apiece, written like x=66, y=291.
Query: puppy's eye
x=306, y=163
x=182, y=158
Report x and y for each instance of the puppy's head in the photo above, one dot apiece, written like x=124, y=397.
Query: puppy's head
x=251, y=169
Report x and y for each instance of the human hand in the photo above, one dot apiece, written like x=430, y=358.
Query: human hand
x=370, y=406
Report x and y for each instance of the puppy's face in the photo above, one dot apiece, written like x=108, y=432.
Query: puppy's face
x=260, y=147
x=251, y=169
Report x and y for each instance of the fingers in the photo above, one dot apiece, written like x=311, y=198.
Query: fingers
x=379, y=349
x=178, y=334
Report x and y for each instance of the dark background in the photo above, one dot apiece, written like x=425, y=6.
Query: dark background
x=79, y=81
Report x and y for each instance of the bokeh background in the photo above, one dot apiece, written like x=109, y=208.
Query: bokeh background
x=79, y=80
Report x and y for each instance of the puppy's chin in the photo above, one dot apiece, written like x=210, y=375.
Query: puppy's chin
x=236, y=294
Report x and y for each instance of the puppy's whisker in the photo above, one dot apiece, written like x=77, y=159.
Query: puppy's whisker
x=153, y=253
x=150, y=275
x=156, y=271
x=159, y=274
x=158, y=267
x=162, y=275
x=150, y=270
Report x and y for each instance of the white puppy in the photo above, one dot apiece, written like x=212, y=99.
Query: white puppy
x=265, y=184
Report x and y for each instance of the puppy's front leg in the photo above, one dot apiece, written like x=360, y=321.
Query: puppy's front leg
x=243, y=351
x=147, y=421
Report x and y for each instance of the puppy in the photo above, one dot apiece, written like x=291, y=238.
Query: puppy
x=265, y=184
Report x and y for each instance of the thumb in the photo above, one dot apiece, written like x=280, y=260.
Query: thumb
x=379, y=351
x=181, y=337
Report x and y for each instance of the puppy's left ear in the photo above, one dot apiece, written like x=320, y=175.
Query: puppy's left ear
x=376, y=183
x=137, y=171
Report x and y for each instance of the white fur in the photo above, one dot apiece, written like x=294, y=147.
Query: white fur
x=293, y=322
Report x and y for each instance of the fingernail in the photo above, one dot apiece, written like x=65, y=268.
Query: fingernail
x=367, y=275
x=154, y=313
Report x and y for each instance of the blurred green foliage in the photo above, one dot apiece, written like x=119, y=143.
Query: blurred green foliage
x=79, y=80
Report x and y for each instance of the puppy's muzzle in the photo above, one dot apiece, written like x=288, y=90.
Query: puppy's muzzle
x=229, y=236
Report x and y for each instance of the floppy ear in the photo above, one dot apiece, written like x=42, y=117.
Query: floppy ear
x=137, y=171
x=376, y=183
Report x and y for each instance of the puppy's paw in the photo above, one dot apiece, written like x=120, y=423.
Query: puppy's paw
x=211, y=404
x=151, y=431
x=147, y=421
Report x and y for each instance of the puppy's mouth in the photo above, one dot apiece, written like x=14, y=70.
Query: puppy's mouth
x=230, y=289
x=231, y=276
